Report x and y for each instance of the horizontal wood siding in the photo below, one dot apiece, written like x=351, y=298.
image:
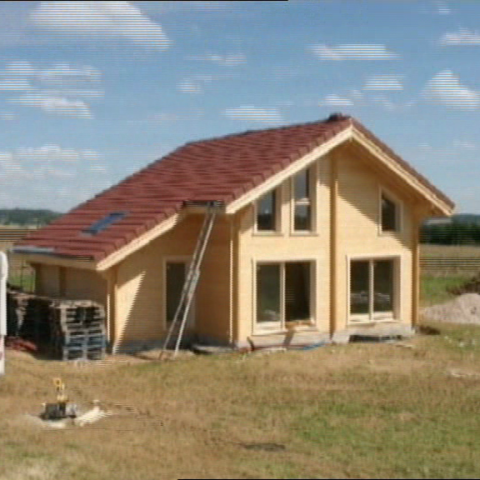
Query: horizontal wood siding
x=47, y=280
x=140, y=307
x=358, y=232
x=85, y=285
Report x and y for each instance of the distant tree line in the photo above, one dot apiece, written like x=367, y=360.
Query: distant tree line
x=454, y=233
x=26, y=216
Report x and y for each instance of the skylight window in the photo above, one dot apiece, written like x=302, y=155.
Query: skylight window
x=104, y=223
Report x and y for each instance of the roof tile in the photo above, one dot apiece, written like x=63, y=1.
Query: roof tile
x=221, y=168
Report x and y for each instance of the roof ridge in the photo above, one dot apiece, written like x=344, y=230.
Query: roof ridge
x=333, y=117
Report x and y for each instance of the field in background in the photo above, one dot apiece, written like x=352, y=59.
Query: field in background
x=444, y=267
x=449, y=260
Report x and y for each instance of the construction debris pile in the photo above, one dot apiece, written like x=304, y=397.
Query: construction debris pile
x=66, y=329
x=462, y=309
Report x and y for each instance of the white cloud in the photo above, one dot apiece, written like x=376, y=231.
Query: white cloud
x=195, y=84
x=384, y=82
x=352, y=52
x=46, y=161
x=10, y=165
x=110, y=20
x=446, y=89
x=15, y=84
x=98, y=169
x=335, y=101
x=464, y=145
x=443, y=9
x=65, y=73
x=48, y=153
x=91, y=155
x=19, y=69
x=255, y=114
x=190, y=86
x=229, y=60
x=54, y=105
x=7, y=116
x=68, y=92
x=56, y=172
x=462, y=37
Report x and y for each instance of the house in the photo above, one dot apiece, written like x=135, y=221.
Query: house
x=317, y=234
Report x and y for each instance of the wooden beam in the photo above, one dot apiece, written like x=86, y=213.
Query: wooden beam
x=112, y=289
x=333, y=241
x=416, y=221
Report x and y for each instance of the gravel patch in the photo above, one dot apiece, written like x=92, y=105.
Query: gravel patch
x=462, y=309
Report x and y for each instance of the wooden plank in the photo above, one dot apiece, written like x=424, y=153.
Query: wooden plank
x=333, y=241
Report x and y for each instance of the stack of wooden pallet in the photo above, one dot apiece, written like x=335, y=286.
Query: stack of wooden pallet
x=78, y=330
x=36, y=322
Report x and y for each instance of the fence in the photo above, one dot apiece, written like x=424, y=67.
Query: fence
x=449, y=260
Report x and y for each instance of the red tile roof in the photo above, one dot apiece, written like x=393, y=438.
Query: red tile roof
x=220, y=169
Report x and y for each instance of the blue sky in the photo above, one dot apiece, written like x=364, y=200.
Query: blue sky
x=92, y=91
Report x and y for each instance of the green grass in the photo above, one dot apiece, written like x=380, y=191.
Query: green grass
x=354, y=411
x=434, y=288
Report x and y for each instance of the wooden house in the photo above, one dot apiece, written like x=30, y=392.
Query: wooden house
x=318, y=234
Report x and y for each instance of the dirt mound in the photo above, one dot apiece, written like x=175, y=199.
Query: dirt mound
x=470, y=286
x=463, y=309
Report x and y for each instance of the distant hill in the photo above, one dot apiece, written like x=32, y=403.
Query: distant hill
x=26, y=216
x=465, y=218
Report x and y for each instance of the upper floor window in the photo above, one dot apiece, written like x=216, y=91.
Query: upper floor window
x=267, y=212
x=390, y=217
x=302, y=202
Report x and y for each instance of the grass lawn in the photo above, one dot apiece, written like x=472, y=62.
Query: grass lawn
x=354, y=411
x=434, y=288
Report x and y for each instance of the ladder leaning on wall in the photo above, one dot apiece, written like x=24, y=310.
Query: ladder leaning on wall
x=191, y=280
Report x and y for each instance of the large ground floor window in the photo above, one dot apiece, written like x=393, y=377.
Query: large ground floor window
x=373, y=289
x=283, y=293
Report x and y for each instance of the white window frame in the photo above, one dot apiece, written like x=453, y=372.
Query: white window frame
x=395, y=315
x=382, y=191
x=312, y=201
x=282, y=326
x=187, y=259
x=278, y=214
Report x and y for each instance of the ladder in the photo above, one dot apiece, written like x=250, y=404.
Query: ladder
x=193, y=274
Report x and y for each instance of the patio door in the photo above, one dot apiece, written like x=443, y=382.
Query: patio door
x=175, y=276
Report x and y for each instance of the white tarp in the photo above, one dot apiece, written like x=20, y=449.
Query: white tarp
x=3, y=309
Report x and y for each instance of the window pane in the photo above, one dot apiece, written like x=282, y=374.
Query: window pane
x=383, y=286
x=297, y=291
x=359, y=287
x=175, y=280
x=266, y=212
x=301, y=185
x=302, y=219
x=389, y=215
x=268, y=293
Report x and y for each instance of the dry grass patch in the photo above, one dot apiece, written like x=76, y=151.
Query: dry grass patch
x=361, y=410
